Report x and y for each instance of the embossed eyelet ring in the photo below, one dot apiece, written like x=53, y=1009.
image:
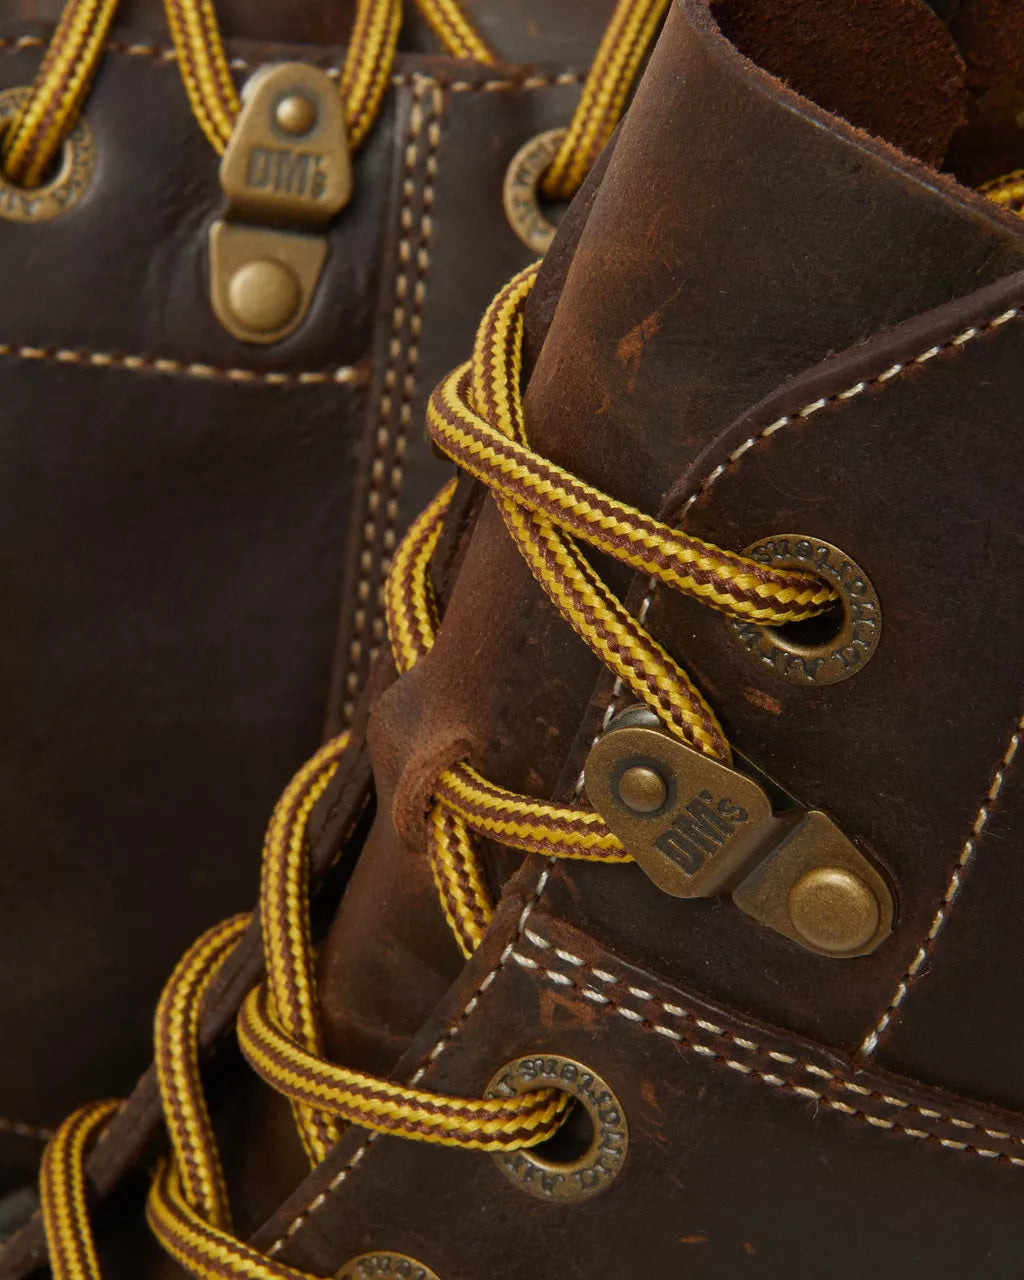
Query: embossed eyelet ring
x=538, y=1171
x=64, y=189
x=521, y=190
x=821, y=650
x=385, y=1266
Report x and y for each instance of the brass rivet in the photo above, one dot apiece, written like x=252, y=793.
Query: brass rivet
x=295, y=114
x=833, y=909
x=642, y=789
x=264, y=295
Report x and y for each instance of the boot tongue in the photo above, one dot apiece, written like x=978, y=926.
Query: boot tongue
x=739, y=234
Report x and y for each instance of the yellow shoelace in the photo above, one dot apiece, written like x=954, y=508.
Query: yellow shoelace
x=32, y=144
x=476, y=416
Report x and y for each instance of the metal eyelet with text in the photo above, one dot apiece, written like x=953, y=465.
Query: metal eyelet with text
x=800, y=653
x=587, y=1174
x=520, y=192
x=68, y=184
x=385, y=1266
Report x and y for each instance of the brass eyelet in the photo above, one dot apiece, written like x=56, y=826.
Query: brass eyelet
x=393, y=1266
x=576, y=1178
x=65, y=189
x=520, y=192
x=795, y=653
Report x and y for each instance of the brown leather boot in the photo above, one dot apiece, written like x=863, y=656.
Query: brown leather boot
x=711, y=600
x=209, y=455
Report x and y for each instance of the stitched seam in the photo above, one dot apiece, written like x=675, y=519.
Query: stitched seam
x=444, y=1040
x=952, y=890
x=344, y=376
x=407, y=310
x=707, y=484
x=166, y=54
x=771, y=1078
x=808, y=410
x=20, y=1130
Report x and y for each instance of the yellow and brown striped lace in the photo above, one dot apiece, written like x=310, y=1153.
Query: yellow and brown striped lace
x=31, y=144
x=476, y=416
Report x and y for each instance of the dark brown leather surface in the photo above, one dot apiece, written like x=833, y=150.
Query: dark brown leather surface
x=174, y=536
x=648, y=355
x=172, y=561
x=878, y=335
x=432, y=293
x=739, y=1164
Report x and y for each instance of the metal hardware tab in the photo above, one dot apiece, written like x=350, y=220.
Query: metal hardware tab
x=699, y=829
x=286, y=172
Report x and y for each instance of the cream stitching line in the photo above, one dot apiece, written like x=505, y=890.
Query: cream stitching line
x=770, y=1078
x=952, y=889
x=850, y=393
x=21, y=1130
x=407, y=307
x=167, y=54
x=344, y=376
x=442, y=1044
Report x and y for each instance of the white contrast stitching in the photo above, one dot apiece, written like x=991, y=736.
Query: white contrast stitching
x=342, y=376
x=407, y=307
x=167, y=54
x=21, y=1130
x=858, y=388
x=778, y=1082
x=442, y=1044
x=952, y=889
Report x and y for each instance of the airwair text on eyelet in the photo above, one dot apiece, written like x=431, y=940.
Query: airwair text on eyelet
x=520, y=193
x=385, y=1266
x=64, y=189
x=585, y=1175
x=795, y=653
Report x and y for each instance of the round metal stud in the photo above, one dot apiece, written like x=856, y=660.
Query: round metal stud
x=521, y=194
x=64, y=189
x=295, y=114
x=264, y=295
x=822, y=650
x=642, y=789
x=587, y=1174
x=834, y=910
x=385, y=1266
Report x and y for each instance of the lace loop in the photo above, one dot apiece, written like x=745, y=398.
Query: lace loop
x=278, y=1025
x=545, y=508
